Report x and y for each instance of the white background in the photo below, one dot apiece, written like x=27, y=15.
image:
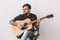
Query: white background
x=49, y=28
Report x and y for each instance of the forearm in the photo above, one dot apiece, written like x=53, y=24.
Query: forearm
x=13, y=23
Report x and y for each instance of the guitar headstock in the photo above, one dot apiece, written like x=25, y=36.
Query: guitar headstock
x=49, y=16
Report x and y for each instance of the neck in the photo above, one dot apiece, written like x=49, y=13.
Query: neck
x=27, y=14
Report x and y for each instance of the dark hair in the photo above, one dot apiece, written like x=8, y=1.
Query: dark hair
x=28, y=5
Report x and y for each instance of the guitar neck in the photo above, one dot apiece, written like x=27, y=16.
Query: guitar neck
x=48, y=16
x=38, y=19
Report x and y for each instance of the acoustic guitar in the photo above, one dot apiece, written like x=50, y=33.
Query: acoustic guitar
x=26, y=23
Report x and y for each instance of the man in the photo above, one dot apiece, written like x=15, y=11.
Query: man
x=26, y=14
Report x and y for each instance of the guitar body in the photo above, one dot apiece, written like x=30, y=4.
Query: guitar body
x=18, y=30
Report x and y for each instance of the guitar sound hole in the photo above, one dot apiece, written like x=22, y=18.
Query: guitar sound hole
x=25, y=26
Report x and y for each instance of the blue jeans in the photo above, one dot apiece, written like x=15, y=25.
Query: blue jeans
x=26, y=36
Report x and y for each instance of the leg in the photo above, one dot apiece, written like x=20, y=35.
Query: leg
x=25, y=36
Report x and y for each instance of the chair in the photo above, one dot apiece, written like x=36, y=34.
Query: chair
x=35, y=34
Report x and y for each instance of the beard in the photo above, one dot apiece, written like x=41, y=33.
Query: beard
x=26, y=13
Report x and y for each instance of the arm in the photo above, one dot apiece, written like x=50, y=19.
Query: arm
x=38, y=23
x=12, y=22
